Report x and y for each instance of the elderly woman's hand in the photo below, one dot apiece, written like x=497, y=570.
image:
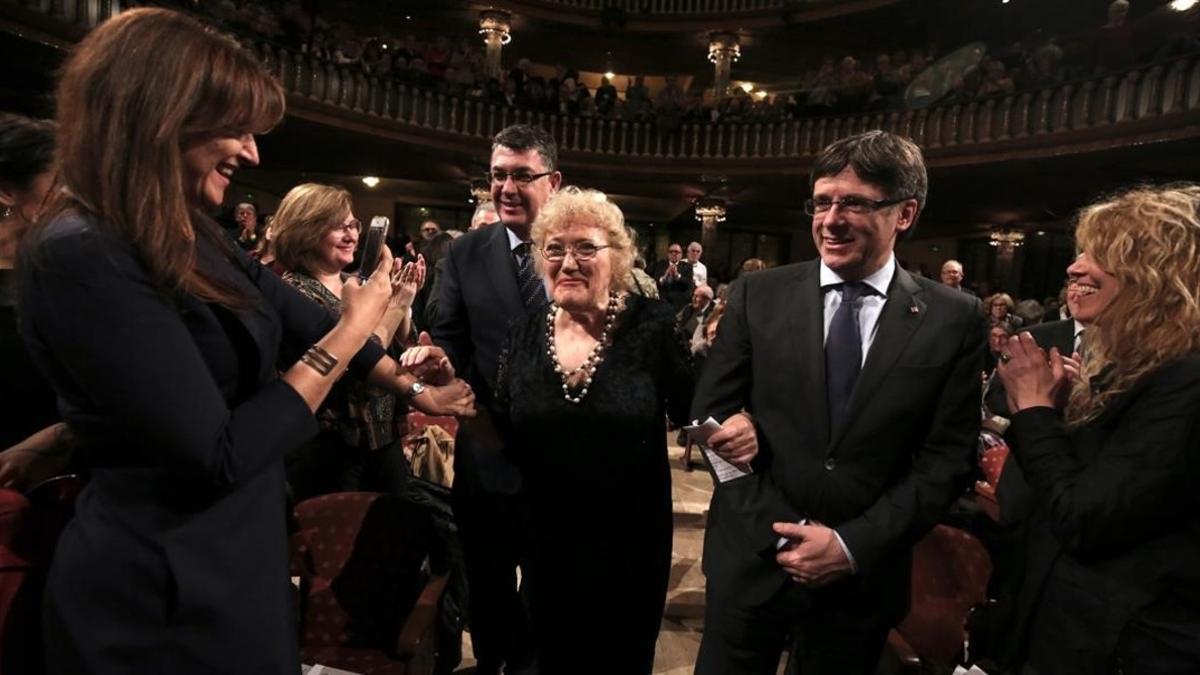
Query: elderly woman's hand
x=452, y=399
x=1031, y=377
x=427, y=362
x=363, y=304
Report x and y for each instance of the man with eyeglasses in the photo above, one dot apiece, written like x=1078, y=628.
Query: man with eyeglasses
x=861, y=385
x=952, y=276
x=674, y=277
x=488, y=279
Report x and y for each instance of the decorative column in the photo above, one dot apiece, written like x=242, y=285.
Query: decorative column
x=494, y=26
x=723, y=50
x=709, y=211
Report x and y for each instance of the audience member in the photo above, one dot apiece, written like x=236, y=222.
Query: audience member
x=699, y=269
x=485, y=214
x=36, y=444
x=752, y=265
x=1030, y=312
x=245, y=216
x=952, y=275
x=316, y=234
x=174, y=393
x=814, y=543
x=674, y=277
x=1000, y=308
x=690, y=318
x=1110, y=556
x=487, y=280
x=430, y=229
x=623, y=371
x=641, y=283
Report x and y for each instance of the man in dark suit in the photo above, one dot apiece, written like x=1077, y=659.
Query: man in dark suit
x=675, y=277
x=487, y=280
x=690, y=317
x=861, y=385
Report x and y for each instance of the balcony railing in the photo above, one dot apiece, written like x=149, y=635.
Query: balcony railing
x=1164, y=91
x=1152, y=91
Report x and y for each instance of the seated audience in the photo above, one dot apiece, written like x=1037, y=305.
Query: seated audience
x=1111, y=557
x=33, y=441
x=594, y=376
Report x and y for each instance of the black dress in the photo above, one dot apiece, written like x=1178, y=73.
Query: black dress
x=28, y=403
x=599, y=487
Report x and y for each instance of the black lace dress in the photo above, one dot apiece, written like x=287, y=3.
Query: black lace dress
x=599, y=486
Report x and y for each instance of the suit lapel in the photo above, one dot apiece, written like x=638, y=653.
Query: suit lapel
x=902, y=314
x=806, y=308
x=501, y=272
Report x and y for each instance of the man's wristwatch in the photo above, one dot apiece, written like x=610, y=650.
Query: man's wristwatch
x=415, y=389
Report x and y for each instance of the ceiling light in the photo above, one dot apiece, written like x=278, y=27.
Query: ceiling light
x=1182, y=5
x=370, y=181
x=747, y=87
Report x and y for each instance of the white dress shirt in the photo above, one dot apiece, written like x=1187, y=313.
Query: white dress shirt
x=699, y=273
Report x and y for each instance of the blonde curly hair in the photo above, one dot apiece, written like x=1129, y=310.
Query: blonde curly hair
x=574, y=205
x=1149, y=239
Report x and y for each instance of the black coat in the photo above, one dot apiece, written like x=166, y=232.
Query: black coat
x=1113, y=552
x=477, y=298
x=678, y=291
x=885, y=476
x=176, y=560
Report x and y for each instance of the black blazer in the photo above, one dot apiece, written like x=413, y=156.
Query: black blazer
x=477, y=298
x=176, y=560
x=883, y=478
x=677, y=292
x=1114, y=541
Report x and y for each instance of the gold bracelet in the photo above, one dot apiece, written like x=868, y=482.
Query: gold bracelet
x=319, y=360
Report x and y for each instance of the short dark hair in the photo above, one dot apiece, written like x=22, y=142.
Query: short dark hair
x=26, y=148
x=522, y=137
x=892, y=162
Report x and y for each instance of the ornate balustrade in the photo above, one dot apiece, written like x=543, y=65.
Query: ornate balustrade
x=1161, y=97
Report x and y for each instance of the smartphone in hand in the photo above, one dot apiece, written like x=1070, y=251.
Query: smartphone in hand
x=372, y=245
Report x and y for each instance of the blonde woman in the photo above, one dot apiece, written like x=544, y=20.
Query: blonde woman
x=1111, y=579
x=584, y=389
x=315, y=236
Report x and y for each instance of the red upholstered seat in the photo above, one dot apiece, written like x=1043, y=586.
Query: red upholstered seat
x=417, y=421
x=950, y=575
x=369, y=604
x=993, y=454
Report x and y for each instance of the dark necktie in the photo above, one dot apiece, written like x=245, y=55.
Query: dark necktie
x=843, y=351
x=533, y=292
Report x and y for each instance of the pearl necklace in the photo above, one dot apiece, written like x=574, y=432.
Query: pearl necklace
x=594, y=359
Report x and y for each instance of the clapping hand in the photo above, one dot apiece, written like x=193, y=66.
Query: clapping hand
x=407, y=280
x=1032, y=377
x=452, y=399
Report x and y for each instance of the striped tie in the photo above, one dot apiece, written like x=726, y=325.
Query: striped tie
x=533, y=292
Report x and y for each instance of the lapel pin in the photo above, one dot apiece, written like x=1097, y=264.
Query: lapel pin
x=913, y=309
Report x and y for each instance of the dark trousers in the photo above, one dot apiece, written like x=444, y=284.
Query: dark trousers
x=750, y=640
x=493, y=529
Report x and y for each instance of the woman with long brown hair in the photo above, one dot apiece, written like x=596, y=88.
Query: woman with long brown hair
x=161, y=340
x=1111, y=575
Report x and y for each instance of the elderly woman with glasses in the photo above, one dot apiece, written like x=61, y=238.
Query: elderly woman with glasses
x=583, y=392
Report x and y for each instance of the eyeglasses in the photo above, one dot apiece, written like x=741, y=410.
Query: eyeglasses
x=850, y=204
x=521, y=178
x=354, y=225
x=582, y=251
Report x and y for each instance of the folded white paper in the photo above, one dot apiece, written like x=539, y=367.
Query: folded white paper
x=725, y=470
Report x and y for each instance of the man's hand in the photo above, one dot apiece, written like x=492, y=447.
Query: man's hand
x=454, y=399
x=737, y=441
x=427, y=362
x=813, y=557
